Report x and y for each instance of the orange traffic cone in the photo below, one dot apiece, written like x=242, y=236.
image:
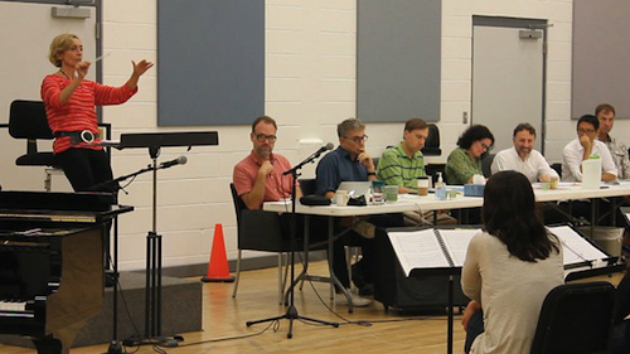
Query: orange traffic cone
x=218, y=270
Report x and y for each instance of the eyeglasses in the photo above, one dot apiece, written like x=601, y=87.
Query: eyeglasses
x=262, y=137
x=357, y=139
x=585, y=131
x=486, y=147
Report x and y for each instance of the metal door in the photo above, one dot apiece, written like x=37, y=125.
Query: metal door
x=508, y=79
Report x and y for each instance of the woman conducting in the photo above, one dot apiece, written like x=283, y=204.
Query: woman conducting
x=70, y=101
x=509, y=269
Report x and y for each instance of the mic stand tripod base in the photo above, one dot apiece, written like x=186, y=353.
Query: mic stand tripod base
x=291, y=315
x=115, y=347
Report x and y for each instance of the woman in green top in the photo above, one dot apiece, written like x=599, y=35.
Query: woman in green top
x=465, y=161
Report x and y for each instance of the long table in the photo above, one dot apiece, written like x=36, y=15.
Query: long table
x=411, y=202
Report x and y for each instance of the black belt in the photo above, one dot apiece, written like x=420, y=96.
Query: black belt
x=78, y=136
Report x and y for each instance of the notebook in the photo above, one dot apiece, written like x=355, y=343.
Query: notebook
x=356, y=189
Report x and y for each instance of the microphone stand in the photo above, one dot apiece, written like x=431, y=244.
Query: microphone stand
x=153, y=276
x=294, y=170
x=292, y=312
x=115, y=346
x=115, y=181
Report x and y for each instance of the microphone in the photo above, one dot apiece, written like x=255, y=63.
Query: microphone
x=178, y=161
x=326, y=147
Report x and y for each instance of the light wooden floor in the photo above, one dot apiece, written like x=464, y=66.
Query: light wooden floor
x=225, y=317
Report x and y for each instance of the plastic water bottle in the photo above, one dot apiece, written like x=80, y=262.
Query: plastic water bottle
x=591, y=172
x=440, y=188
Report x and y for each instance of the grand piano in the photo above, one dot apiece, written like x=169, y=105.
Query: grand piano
x=52, y=263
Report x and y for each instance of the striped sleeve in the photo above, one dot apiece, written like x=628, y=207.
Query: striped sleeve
x=108, y=95
x=390, y=168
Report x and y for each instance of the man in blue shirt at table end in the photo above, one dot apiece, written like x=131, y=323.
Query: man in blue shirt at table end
x=351, y=162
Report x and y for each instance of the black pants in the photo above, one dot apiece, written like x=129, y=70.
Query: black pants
x=475, y=328
x=86, y=168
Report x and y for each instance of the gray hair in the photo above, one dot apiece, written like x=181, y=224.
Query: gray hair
x=349, y=124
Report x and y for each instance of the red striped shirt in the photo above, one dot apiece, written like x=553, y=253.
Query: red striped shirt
x=79, y=113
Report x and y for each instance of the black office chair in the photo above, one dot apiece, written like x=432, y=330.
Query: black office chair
x=575, y=319
x=308, y=186
x=27, y=120
x=486, y=164
x=258, y=231
x=432, y=145
x=432, y=170
x=558, y=168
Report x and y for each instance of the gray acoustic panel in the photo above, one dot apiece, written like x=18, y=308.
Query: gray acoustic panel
x=600, y=56
x=211, y=62
x=398, y=60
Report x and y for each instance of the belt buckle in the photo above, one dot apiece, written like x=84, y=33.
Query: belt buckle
x=87, y=136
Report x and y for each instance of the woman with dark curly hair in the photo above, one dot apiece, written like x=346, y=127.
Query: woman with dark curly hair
x=509, y=269
x=465, y=161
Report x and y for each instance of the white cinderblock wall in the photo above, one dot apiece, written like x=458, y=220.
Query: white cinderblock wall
x=310, y=87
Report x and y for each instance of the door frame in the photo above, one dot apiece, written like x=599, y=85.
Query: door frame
x=98, y=5
x=522, y=23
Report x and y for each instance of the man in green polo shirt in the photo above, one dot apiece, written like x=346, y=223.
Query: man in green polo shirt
x=402, y=164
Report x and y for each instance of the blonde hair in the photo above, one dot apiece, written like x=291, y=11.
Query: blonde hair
x=60, y=44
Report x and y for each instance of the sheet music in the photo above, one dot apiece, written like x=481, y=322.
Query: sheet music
x=418, y=249
x=576, y=248
x=425, y=249
x=456, y=241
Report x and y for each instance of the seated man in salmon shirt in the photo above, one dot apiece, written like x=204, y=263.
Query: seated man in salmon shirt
x=258, y=177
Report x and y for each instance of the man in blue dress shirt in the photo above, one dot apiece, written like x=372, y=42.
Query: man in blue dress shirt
x=351, y=162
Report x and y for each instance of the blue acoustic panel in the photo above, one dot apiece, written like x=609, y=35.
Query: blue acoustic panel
x=398, y=60
x=211, y=62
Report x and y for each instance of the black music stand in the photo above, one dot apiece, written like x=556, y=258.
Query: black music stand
x=449, y=271
x=153, y=291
